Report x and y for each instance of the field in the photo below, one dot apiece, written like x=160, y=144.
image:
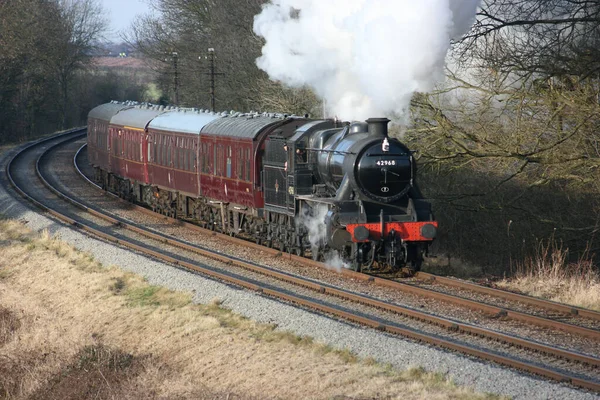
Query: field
x=72, y=328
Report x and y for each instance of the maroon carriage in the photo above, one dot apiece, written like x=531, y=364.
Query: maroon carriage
x=231, y=151
x=128, y=148
x=98, y=122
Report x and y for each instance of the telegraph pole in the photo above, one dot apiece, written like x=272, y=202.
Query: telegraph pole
x=173, y=57
x=213, y=74
x=174, y=54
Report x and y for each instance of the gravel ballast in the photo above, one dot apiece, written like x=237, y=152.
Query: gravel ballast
x=482, y=376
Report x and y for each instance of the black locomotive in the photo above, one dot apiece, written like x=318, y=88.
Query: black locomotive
x=353, y=191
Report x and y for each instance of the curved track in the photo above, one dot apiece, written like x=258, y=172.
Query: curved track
x=114, y=229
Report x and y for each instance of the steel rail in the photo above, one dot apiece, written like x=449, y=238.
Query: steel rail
x=507, y=295
x=324, y=289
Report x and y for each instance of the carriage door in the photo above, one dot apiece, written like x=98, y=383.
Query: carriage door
x=275, y=179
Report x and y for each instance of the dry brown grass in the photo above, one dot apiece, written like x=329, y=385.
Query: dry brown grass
x=85, y=331
x=9, y=324
x=550, y=275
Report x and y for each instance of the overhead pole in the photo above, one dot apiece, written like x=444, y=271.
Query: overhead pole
x=212, y=73
x=176, y=78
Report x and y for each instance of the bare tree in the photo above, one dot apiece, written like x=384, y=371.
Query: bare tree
x=547, y=37
x=81, y=27
x=509, y=145
x=504, y=154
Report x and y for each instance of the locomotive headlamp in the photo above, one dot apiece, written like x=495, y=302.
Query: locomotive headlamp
x=428, y=231
x=385, y=145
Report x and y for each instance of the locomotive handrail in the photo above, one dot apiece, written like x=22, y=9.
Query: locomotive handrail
x=329, y=151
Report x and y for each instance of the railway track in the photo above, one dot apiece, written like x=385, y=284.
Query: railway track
x=313, y=294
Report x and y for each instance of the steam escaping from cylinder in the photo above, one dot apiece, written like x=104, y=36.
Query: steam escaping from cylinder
x=313, y=220
x=363, y=57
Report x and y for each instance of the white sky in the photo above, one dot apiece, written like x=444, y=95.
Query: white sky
x=121, y=14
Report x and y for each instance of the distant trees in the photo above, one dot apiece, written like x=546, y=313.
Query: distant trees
x=44, y=43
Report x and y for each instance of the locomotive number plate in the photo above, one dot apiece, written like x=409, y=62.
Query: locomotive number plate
x=382, y=163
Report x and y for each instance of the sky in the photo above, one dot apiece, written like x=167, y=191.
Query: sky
x=121, y=14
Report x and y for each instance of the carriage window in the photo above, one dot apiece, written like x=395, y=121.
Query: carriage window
x=157, y=150
x=180, y=158
x=247, y=162
x=168, y=150
x=214, y=160
x=205, y=158
x=229, y=161
x=175, y=151
x=239, y=162
x=160, y=150
x=163, y=155
x=154, y=151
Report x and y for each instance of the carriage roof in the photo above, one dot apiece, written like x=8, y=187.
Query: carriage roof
x=107, y=111
x=186, y=121
x=136, y=117
x=243, y=126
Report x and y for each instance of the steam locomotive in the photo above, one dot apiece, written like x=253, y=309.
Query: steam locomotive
x=340, y=192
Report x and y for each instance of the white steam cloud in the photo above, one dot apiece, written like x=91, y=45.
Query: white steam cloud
x=365, y=58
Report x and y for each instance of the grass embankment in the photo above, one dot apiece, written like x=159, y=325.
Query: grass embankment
x=550, y=275
x=71, y=328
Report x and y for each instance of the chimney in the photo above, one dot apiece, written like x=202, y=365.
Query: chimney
x=378, y=126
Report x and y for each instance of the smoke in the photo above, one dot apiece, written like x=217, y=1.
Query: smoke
x=314, y=222
x=365, y=58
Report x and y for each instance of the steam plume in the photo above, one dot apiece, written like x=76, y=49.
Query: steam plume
x=363, y=57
